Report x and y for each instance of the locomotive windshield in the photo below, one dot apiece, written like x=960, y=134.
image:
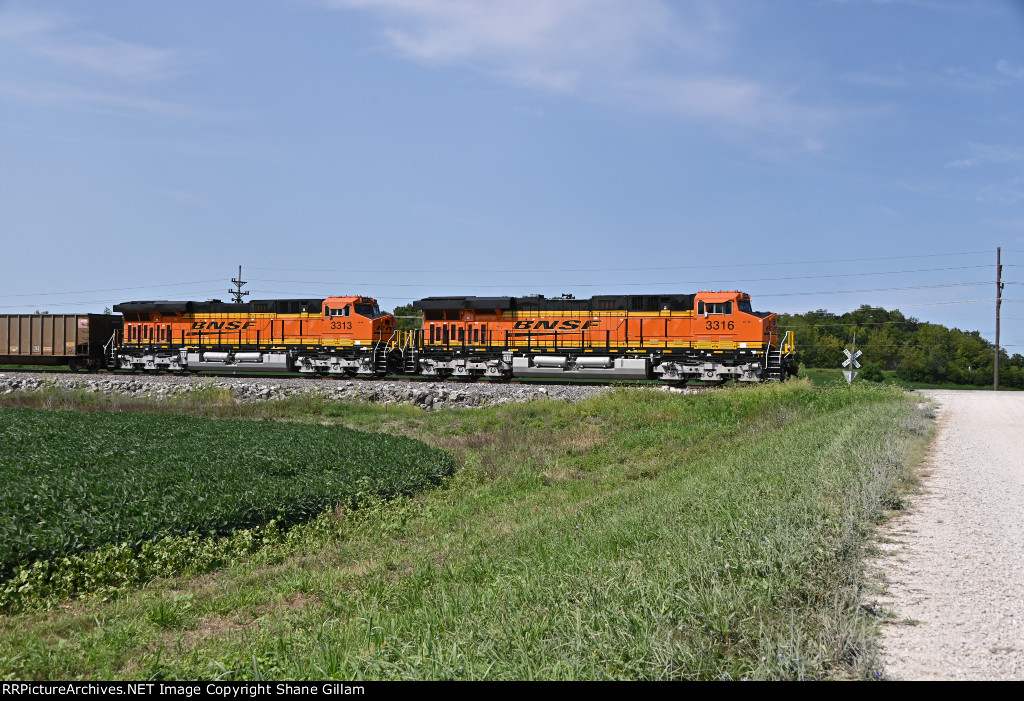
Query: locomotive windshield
x=371, y=311
x=744, y=306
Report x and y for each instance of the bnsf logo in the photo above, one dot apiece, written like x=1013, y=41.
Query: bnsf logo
x=558, y=324
x=221, y=325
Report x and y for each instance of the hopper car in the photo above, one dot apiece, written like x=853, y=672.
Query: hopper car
x=80, y=341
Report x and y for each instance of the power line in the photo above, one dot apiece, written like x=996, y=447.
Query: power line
x=109, y=289
x=675, y=283
x=601, y=270
x=704, y=282
x=877, y=289
x=76, y=302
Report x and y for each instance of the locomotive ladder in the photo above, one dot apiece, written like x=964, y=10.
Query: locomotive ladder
x=773, y=358
x=381, y=349
x=410, y=354
x=773, y=364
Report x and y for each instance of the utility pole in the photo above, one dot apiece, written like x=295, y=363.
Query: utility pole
x=999, y=301
x=239, y=283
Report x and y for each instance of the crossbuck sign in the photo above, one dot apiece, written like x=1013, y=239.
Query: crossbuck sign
x=851, y=362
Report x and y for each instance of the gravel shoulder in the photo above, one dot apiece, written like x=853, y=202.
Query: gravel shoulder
x=954, y=564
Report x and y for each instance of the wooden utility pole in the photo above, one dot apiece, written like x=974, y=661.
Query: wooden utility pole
x=999, y=301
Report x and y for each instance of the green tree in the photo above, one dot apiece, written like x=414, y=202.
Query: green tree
x=407, y=318
x=882, y=345
x=872, y=372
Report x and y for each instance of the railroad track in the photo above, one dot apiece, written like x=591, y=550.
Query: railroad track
x=455, y=382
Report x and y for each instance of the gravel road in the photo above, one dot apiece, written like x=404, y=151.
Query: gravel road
x=955, y=568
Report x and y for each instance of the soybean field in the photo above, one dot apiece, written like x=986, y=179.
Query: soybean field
x=76, y=481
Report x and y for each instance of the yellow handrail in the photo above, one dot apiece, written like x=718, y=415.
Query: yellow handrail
x=788, y=343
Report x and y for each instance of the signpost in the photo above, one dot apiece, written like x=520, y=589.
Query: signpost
x=851, y=361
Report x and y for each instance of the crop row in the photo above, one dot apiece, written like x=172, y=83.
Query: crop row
x=77, y=481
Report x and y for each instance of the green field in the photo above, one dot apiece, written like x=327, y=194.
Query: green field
x=76, y=481
x=636, y=535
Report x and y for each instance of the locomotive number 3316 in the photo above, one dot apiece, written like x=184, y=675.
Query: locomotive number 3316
x=719, y=325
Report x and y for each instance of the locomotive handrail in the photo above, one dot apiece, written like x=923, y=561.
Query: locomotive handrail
x=788, y=345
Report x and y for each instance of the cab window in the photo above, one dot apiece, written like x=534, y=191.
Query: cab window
x=744, y=306
x=371, y=311
x=714, y=307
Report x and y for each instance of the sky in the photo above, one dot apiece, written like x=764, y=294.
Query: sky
x=818, y=154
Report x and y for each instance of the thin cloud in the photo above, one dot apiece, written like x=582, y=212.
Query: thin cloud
x=524, y=35
x=1010, y=70
x=963, y=163
x=982, y=153
x=1007, y=193
x=718, y=99
x=875, y=80
x=535, y=112
x=61, y=41
x=1017, y=224
x=965, y=79
x=70, y=96
x=601, y=50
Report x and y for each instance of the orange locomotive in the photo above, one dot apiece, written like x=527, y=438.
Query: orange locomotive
x=708, y=336
x=340, y=335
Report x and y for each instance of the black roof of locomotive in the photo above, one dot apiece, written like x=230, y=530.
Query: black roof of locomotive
x=215, y=306
x=540, y=303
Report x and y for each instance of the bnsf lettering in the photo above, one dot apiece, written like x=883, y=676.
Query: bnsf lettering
x=221, y=325
x=555, y=324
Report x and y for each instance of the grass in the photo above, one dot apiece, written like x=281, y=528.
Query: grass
x=824, y=377
x=637, y=534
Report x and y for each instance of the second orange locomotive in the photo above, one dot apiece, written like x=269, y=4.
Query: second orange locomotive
x=708, y=336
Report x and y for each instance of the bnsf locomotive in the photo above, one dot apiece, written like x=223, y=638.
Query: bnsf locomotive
x=709, y=337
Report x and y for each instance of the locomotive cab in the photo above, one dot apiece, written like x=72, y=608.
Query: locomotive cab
x=726, y=324
x=358, y=318
x=729, y=318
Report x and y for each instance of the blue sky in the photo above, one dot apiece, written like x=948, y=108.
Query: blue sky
x=796, y=150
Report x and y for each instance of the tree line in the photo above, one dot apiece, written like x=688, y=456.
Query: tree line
x=918, y=351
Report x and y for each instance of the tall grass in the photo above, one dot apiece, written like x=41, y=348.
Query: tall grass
x=633, y=535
